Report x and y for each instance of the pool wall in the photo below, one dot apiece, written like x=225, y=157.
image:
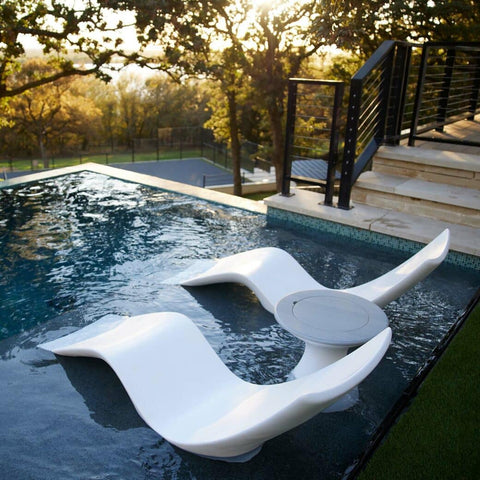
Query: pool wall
x=287, y=219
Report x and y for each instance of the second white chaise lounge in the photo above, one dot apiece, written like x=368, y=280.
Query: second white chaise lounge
x=272, y=274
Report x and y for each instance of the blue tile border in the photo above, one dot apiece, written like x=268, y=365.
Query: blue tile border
x=284, y=218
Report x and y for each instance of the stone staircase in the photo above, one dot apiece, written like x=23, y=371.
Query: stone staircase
x=438, y=184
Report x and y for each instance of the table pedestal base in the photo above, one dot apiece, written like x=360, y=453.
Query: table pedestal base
x=329, y=322
x=316, y=357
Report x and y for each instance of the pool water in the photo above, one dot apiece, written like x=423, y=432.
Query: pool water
x=77, y=248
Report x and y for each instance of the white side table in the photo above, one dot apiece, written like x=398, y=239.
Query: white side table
x=329, y=322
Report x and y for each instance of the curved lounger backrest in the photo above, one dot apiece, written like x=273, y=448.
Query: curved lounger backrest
x=270, y=272
x=183, y=390
x=391, y=285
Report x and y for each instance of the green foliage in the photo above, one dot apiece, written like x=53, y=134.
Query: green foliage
x=71, y=114
x=59, y=29
x=248, y=49
x=51, y=116
x=368, y=24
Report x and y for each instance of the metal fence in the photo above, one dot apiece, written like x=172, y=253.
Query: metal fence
x=311, y=149
x=171, y=143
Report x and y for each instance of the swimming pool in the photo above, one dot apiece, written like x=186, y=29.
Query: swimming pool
x=77, y=248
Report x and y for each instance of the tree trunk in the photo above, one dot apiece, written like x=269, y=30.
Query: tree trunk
x=278, y=146
x=43, y=150
x=234, y=143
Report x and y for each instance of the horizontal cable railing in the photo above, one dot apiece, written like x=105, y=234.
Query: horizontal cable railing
x=447, y=90
x=403, y=90
x=311, y=148
x=376, y=105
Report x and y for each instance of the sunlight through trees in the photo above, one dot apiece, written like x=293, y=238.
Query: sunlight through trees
x=244, y=50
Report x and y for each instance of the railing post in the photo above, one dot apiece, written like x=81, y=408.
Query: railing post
x=290, y=131
x=333, y=149
x=350, y=147
x=418, y=95
x=445, y=90
x=475, y=89
x=399, y=92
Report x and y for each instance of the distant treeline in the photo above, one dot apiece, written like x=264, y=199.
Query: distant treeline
x=76, y=113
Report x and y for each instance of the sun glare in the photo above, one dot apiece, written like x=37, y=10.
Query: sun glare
x=274, y=7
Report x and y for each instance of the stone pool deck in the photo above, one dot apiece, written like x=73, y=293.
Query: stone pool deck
x=464, y=239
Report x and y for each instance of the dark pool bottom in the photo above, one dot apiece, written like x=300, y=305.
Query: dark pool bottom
x=79, y=248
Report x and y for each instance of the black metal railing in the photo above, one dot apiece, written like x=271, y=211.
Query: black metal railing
x=447, y=90
x=403, y=91
x=375, y=111
x=406, y=90
x=311, y=148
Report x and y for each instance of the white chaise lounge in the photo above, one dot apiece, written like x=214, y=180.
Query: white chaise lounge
x=182, y=389
x=272, y=274
x=285, y=289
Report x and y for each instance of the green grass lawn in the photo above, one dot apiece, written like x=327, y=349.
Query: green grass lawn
x=438, y=437
x=103, y=159
x=259, y=195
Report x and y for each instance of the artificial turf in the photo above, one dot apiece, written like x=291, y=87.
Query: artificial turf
x=438, y=436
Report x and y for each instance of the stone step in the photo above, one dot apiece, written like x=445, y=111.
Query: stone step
x=446, y=167
x=380, y=220
x=443, y=202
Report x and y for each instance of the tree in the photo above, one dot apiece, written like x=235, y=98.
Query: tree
x=453, y=20
x=104, y=97
x=130, y=91
x=174, y=104
x=60, y=29
x=368, y=24
x=258, y=44
x=55, y=114
x=183, y=31
x=280, y=38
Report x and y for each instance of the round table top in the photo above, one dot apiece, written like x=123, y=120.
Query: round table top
x=330, y=317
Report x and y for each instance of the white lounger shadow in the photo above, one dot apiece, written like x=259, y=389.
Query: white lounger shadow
x=272, y=274
x=182, y=389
